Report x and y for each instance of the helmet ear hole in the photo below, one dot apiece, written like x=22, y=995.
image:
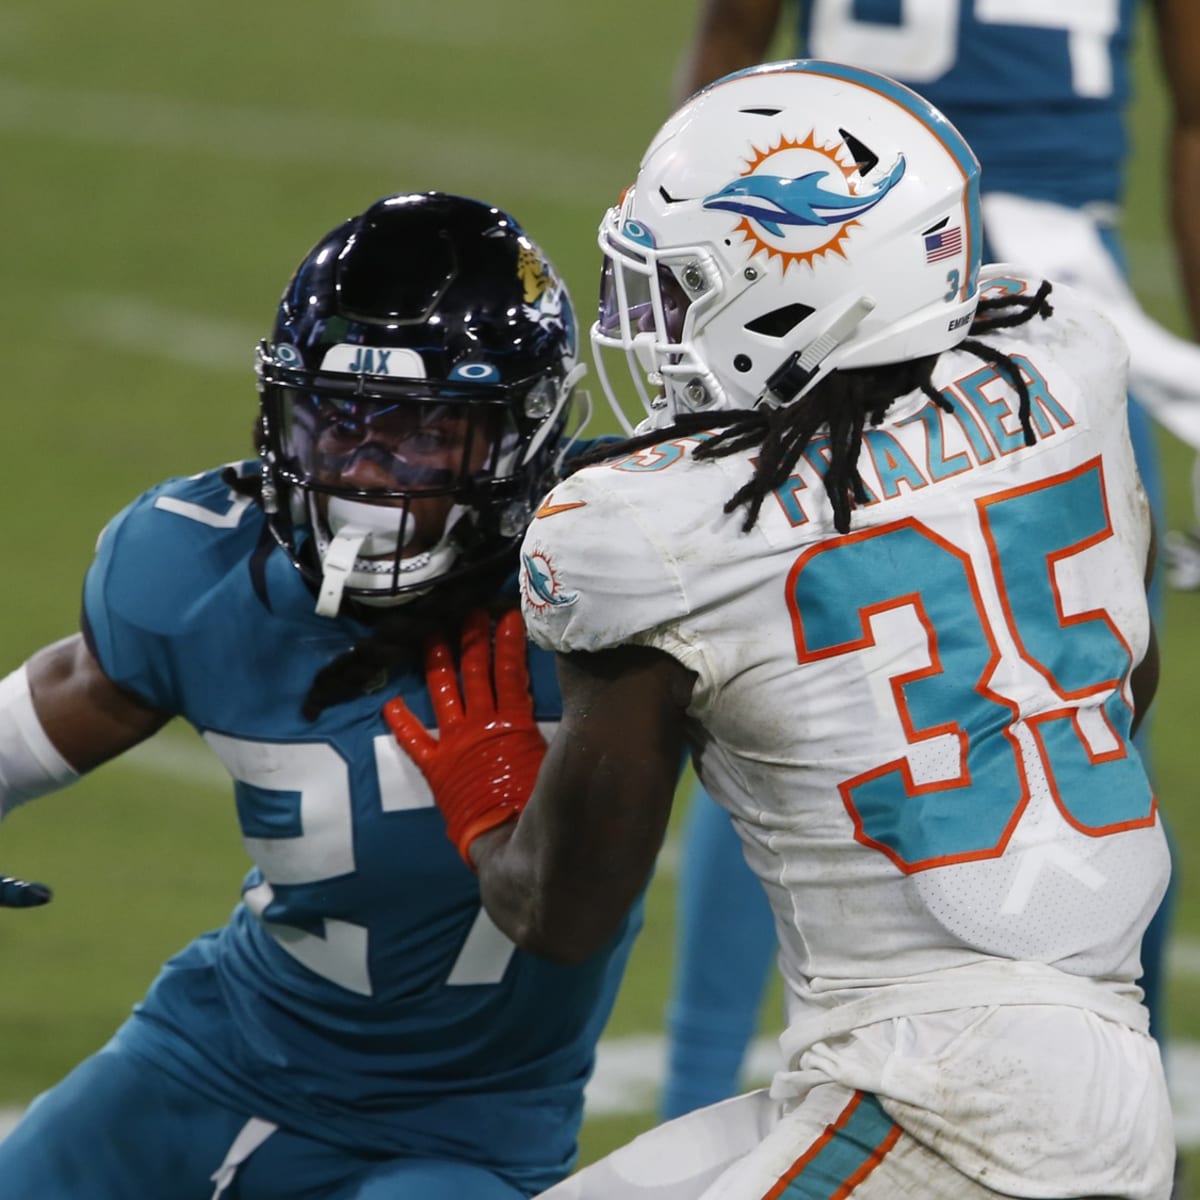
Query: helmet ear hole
x=779, y=322
x=864, y=157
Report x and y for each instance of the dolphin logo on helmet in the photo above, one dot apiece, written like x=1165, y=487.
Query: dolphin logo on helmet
x=774, y=248
x=774, y=201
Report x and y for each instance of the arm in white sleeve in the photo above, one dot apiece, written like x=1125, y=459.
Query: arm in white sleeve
x=30, y=766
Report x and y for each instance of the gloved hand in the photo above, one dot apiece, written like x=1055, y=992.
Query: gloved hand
x=17, y=893
x=484, y=762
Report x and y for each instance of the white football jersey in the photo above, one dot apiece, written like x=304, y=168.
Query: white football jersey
x=920, y=728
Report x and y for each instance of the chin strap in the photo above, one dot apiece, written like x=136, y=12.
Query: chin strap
x=797, y=371
x=252, y=1135
x=337, y=562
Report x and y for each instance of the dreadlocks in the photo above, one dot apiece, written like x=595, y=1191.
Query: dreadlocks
x=842, y=403
x=397, y=639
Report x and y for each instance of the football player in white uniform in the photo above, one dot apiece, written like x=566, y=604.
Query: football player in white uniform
x=1042, y=93
x=878, y=554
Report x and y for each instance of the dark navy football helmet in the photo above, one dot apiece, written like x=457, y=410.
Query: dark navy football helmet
x=415, y=392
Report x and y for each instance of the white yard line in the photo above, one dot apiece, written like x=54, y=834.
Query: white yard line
x=564, y=171
x=1183, y=958
x=178, y=754
x=629, y=1070
x=1183, y=1074
x=146, y=327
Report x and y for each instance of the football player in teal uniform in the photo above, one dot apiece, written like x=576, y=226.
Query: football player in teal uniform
x=359, y=1028
x=1039, y=91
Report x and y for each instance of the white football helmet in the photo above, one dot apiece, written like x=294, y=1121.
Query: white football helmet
x=788, y=220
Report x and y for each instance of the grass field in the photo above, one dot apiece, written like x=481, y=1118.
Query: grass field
x=164, y=168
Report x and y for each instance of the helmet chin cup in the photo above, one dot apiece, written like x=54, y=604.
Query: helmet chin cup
x=387, y=528
x=359, y=547
x=359, y=529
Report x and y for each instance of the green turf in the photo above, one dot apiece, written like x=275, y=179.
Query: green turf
x=164, y=168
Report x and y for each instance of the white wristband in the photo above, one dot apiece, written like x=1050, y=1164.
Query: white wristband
x=30, y=766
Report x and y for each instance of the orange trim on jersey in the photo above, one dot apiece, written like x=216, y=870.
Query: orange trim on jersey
x=549, y=509
x=1066, y=620
x=914, y=735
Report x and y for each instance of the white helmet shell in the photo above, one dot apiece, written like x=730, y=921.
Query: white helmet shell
x=788, y=220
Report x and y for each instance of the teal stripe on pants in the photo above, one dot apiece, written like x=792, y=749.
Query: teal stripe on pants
x=853, y=1145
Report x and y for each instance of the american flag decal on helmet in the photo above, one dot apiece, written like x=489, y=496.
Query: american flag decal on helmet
x=945, y=243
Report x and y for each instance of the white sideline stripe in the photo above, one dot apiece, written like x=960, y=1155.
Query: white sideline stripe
x=1183, y=958
x=629, y=1070
x=1154, y=270
x=187, y=760
x=183, y=757
x=146, y=327
x=559, y=171
x=438, y=25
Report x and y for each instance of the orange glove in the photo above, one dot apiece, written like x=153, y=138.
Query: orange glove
x=484, y=762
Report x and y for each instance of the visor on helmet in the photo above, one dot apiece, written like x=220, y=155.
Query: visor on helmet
x=391, y=449
x=651, y=303
x=635, y=298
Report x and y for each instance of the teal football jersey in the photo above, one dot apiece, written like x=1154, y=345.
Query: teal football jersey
x=1038, y=89
x=359, y=993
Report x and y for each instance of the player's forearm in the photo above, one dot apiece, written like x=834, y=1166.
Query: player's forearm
x=30, y=763
x=1144, y=682
x=730, y=35
x=551, y=920
x=1179, y=50
x=1185, y=215
x=560, y=880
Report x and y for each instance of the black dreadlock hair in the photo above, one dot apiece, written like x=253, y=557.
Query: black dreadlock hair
x=396, y=641
x=843, y=402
